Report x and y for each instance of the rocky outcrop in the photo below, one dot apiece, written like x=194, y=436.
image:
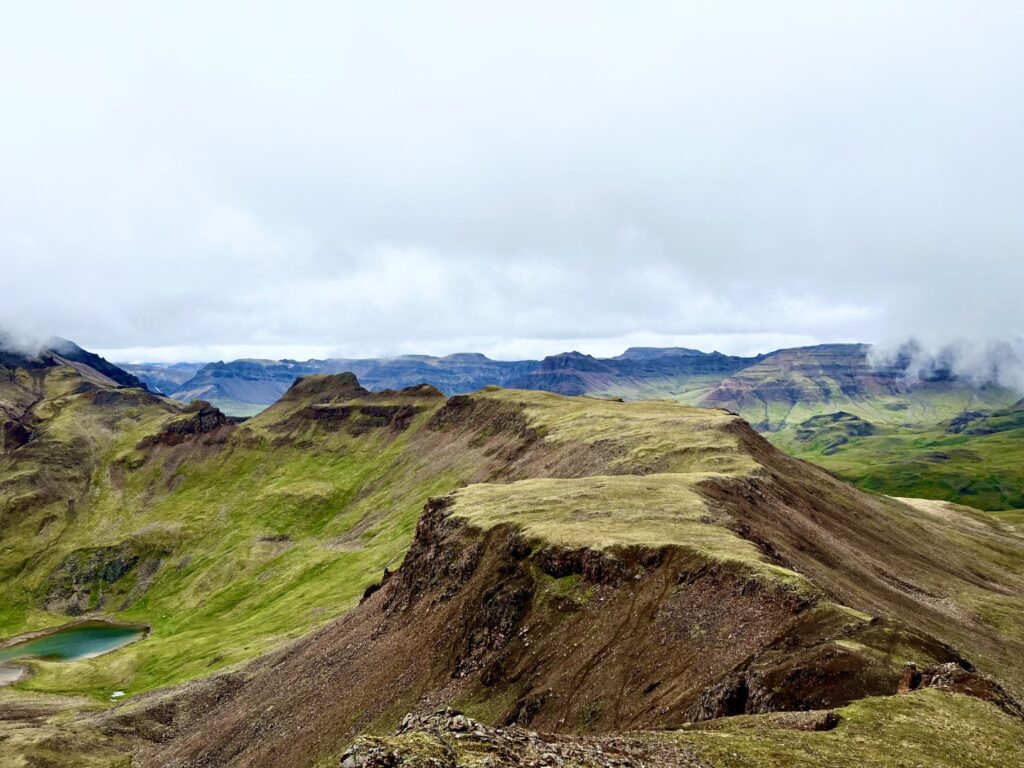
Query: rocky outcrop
x=830, y=431
x=14, y=434
x=88, y=579
x=200, y=418
x=338, y=402
x=960, y=678
x=449, y=739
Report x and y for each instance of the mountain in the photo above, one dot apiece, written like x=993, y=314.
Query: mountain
x=791, y=385
x=929, y=434
x=58, y=352
x=882, y=426
x=164, y=379
x=244, y=387
x=577, y=566
x=652, y=353
x=639, y=373
x=29, y=377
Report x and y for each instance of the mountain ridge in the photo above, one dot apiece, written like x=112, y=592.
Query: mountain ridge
x=377, y=553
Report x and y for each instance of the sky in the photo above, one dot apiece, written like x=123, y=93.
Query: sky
x=202, y=181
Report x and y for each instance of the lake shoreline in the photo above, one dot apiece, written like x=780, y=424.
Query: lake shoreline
x=92, y=621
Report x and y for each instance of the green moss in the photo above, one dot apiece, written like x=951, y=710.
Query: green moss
x=606, y=512
x=922, y=459
x=282, y=527
x=930, y=727
x=655, y=434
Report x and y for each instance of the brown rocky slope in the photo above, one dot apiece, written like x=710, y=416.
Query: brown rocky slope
x=637, y=584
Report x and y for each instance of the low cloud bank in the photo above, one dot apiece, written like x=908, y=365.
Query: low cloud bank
x=997, y=361
x=12, y=340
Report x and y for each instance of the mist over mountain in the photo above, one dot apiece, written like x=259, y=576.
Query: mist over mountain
x=981, y=361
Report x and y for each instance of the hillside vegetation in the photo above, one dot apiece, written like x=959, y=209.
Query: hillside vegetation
x=575, y=565
x=882, y=424
x=274, y=526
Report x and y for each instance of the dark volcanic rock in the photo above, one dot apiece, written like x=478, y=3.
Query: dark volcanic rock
x=87, y=578
x=447, y=739
x=201, y=418
x=14, y=434
x=959, y=679
x=61, y=351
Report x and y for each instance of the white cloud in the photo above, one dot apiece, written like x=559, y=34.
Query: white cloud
x=369, y=179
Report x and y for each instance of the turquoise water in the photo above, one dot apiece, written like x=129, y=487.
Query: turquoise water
x=81, y=641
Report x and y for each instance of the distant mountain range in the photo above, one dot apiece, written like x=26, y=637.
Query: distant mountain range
x=771, y=391
x=244, y=387
x=889, y=427
x=597, y=571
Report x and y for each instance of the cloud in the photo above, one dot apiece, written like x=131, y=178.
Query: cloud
x=980, y=361
x=12, y=340
x=381, y=179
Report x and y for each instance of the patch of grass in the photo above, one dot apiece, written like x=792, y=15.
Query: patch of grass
x=659, y=434
x=930, y=727
x=981, y=471
x=607, y=512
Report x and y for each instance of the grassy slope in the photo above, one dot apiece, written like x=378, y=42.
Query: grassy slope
x=280, y=528
x=982, y=471
x=920, y=407
x=684, y=389
x=269, y=540
x=930, y=727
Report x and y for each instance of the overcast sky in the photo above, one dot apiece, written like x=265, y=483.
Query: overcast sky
x=213, y=180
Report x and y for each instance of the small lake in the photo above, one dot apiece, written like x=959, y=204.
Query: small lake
x=70, y=643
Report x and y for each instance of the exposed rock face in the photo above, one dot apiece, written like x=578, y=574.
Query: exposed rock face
x=14, y=435
x=201, y=418
x=87, y=578
x=957, y=678
x=448, y=739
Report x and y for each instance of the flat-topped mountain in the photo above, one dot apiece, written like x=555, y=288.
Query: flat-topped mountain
x=244, y=387
x=791, y=385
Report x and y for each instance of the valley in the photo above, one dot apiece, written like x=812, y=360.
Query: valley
x=570, y=565
x=929, y=434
